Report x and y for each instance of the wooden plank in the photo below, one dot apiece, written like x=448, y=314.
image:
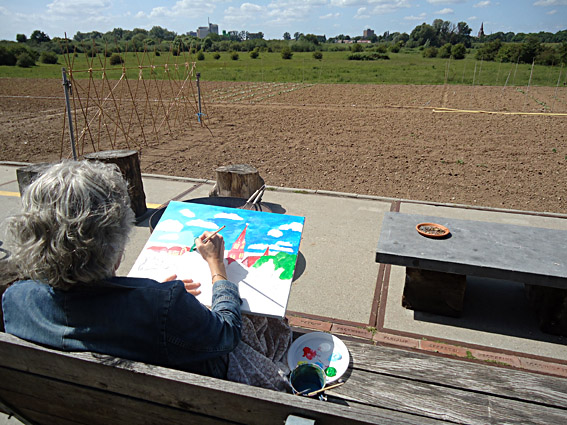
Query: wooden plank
x=195, y=393
x=445, y=403
x=482, y=378
x=483, y=249
x=56, y=400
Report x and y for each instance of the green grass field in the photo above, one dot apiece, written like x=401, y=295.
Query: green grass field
x=402, y=68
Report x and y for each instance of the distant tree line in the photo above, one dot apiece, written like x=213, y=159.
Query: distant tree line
x=442, y=39
x=530, y=50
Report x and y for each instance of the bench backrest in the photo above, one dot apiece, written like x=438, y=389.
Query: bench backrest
x=44, y=386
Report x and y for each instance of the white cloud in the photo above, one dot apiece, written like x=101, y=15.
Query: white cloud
x=229, y=216
x=373, y=7
x=446, y=1
x=250, y=7
x=258, y=246
x=472, y=18
x=485, y=3
x=78, y=7
x=279, y=246
x=275, y=233
x=446, y=11
x=169, y=226
x=330, y=16
x=552, y=12
x=419, y=17
x=362, y=13
x=545, y=3
x=169, y=237
x=182, y=8
x=187, y=213
x=202, y=223
x=295, y=226
x=246, y=13
x=282, y=246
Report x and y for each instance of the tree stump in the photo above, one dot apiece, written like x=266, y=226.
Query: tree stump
x=129, y=164
x=237, y=181
x=434, y=292
x=29, y=173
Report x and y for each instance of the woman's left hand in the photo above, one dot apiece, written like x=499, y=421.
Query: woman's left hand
x=190, y=286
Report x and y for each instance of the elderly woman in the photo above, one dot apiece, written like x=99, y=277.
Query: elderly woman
x=68, y=243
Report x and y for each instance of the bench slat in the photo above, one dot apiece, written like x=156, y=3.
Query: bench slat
x=96, y=406
x=445, y=403
x=181, y=390
x=485, y=378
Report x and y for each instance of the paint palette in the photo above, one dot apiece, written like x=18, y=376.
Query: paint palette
x=322, y=349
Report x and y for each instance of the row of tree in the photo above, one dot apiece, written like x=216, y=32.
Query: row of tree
x=436, y=39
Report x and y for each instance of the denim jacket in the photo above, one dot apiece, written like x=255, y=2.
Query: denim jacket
x=133, y=318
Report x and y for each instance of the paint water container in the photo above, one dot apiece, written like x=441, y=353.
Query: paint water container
x=306, y=378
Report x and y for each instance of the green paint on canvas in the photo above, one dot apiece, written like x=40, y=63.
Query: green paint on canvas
x=281, y=260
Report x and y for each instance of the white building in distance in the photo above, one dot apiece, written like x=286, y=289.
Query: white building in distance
x=202, y=32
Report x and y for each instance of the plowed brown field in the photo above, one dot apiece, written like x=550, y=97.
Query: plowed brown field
x=391, y=141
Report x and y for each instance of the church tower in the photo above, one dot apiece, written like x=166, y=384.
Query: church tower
x=237, y=250
x=481, y=31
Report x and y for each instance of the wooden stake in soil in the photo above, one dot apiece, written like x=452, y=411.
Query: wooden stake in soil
x=556, y=87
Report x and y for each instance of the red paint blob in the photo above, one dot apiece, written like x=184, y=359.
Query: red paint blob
x=309, y=353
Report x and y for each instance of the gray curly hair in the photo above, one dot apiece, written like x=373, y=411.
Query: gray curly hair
x=74, y=226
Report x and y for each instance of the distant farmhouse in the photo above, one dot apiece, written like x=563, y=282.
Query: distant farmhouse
x=202, y=32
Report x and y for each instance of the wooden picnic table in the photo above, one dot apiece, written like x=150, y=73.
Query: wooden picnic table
x=383, y=386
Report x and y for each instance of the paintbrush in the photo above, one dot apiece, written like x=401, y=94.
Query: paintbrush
x=253, y=200
x=213, y=234
x=207, y=238
x=312, y=393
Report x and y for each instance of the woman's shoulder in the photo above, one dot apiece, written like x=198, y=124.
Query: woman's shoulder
x=29, y=284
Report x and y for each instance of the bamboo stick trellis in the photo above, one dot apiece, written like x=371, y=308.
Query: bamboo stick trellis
x=133, y=107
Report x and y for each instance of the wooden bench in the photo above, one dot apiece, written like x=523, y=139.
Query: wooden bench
x=437, y=268
x=383, y=385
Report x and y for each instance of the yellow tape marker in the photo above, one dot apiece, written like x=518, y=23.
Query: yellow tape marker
x=17, y=195
x=4, y=193
x=467, y=111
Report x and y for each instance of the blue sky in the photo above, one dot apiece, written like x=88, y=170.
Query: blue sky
x=182, y=222
x=273, y=18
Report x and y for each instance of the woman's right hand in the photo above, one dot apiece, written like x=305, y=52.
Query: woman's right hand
x=213, y=249
x=213, y=253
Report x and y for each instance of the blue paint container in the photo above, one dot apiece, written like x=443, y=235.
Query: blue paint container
x=306, y=378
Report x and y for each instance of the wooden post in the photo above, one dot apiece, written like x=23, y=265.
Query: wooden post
x=550, y=306
x=29, y=173
x=129, y=164
x=237, y=181
x=434, y=292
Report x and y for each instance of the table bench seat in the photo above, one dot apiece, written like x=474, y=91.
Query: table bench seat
x=501, y=251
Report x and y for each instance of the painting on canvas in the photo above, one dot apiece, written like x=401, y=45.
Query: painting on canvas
x=260, y=252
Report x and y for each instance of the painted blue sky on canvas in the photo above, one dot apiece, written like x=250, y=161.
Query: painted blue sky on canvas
x=182, y=222
x=273, y=18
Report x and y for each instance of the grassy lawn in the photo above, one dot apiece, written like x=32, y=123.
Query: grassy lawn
x=402, y=68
